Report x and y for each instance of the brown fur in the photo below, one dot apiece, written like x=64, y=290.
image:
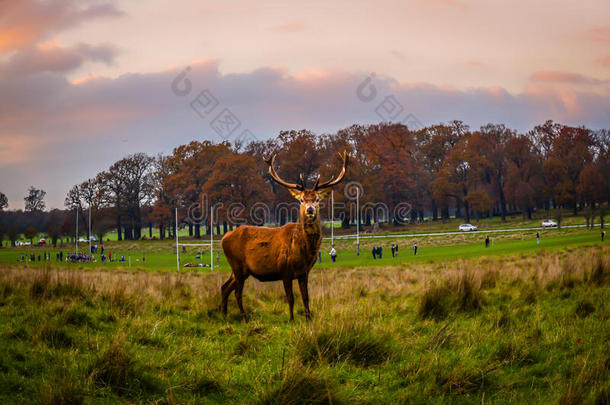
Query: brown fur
x=273, y=254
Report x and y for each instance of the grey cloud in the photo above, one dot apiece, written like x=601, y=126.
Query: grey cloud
x=54, y=58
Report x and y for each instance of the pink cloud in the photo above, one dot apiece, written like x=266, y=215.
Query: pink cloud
x=26, y=22
x=296, y=26
x=555, y=76
x=600, y=34
x=605, y=61
x=475, y=63
x=450, y=3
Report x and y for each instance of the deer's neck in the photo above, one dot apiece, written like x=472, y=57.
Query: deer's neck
x=312, y=234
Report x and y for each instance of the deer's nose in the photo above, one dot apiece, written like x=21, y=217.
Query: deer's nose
x=310, y=210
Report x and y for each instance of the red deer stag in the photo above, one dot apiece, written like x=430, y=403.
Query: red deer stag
x=286, y=253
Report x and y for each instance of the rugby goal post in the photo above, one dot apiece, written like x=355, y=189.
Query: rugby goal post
x=210, y=243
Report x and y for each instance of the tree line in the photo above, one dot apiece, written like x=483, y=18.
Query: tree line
x=440, y=171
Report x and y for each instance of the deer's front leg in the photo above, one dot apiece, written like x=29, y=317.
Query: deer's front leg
x=305, y=295
x=289, y=297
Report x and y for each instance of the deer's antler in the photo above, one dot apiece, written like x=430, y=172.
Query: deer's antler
x=270, y=160
x=331, y=183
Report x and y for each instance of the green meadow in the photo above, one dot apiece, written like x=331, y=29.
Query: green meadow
x=516, y=322
x=160, y=255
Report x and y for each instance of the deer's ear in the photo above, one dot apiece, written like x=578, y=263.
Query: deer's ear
x=296, y=193
x=324, y=193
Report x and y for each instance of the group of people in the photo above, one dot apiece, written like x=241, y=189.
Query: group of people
x=79, y=258
x=45, y=256
x=378, y=250
x=74, y=257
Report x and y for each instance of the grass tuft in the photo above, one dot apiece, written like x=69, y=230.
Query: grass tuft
x=55, y=336
x=338, y=343
x=435, y=302
x=301, y=386
x=584, y=308
x=63, y=391
x=117, y=369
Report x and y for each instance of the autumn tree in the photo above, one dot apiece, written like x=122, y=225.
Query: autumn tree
x=390, y=151
x=161, y=212
x=234, y=187
x=490, y=143
x=192, y=165
x=53, y=225
x=523, y=174
x=30, y=233
x=434, y=144
x=3, y=205
x=571, y=151
x=12, y=232
x=461, y=175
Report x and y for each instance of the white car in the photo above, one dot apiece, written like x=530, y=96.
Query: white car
x=467, y=228
x=549, y=223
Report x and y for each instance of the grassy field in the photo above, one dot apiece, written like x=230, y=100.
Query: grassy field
x=512, y=323
x=160, y=256
x=449, y=225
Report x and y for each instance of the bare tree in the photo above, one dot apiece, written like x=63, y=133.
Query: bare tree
x=34, y=201
x=3, y=201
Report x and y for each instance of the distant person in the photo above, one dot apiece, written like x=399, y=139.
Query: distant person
x=333, y=254
x=396, y=249
x=122, y=258
x=379, y=251
x=392, y=250
x=183, y=249
x=23, y=257
x=109, y=256
x=487, y=241
x=374, y=252
x=537, y=238
x=103, y=258
x=38, y=256
x=415, y=249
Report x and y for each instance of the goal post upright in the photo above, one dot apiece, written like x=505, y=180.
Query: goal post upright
x=177, y=251
x=211, y=243
x=211, y=237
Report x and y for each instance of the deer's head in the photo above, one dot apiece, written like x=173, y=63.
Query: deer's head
x=308, y=198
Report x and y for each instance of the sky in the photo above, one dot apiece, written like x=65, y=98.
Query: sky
x=84, y=83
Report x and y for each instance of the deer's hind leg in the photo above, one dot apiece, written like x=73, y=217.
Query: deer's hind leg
x=225, y=290
x=239, y=288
